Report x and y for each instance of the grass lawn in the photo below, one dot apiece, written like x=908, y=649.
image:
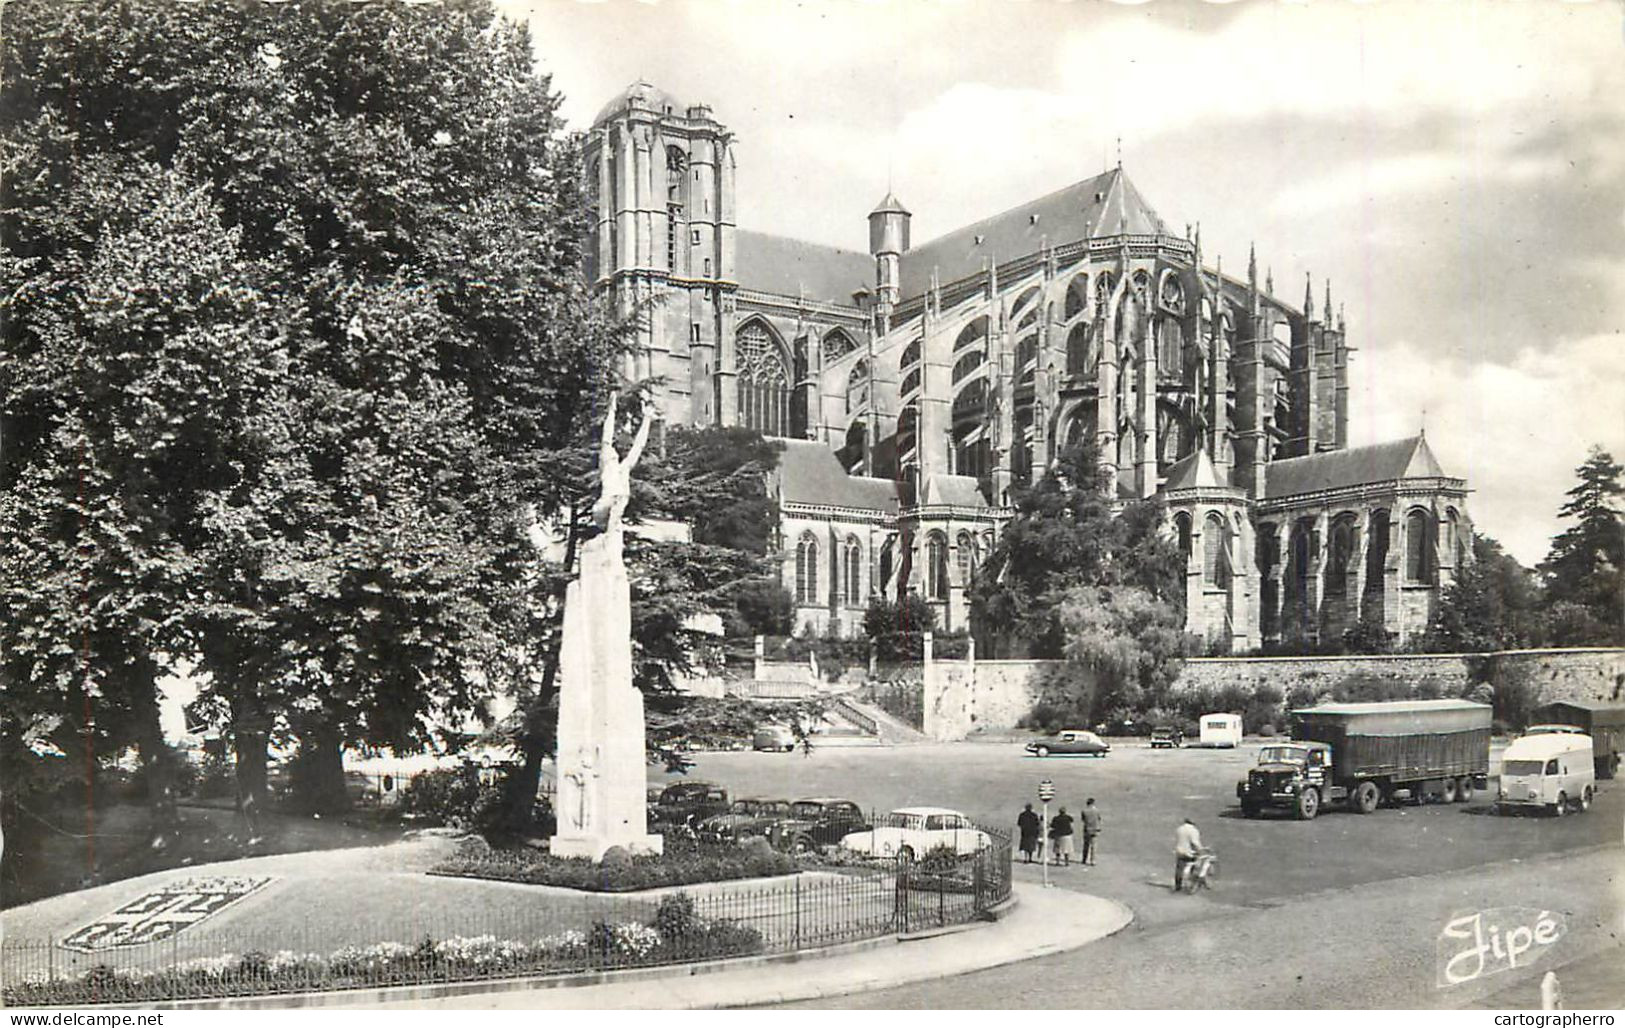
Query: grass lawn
x=115, y=842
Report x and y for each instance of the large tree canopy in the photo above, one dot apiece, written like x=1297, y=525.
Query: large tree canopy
x=1065, y=535
x=1585, y=570
x=293, y=330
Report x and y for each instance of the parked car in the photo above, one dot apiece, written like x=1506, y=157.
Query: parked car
x=1165, y=737
x=909, y=833
x=812, y=823
x=746, y=818
x=689, y=803
x=776, y=738
x=1071, y=740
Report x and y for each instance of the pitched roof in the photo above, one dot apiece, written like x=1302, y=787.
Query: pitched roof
x=954, y=490
x=1360, y=465
x=890, y=205
x=1106, y=205
x=809, y=473
x=793, y=267
x=1193, y=472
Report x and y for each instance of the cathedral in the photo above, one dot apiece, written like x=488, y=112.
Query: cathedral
x=915, y=386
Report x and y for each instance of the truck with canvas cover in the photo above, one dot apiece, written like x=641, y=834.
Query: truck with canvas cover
x=1366, y=755
x=1604, y=722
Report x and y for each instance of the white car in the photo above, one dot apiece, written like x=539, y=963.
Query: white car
x=909, y=833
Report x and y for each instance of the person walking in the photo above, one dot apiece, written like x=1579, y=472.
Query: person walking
x=1187, y=844
x=1091, y=829
x=1060, y=834
x=1029, y=824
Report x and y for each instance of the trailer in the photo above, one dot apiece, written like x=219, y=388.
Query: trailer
x=1221, y=730
x=1367, y=755
x=1604, y=722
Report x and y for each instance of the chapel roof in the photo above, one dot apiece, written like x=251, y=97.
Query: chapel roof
x=1358, y=465
x=809, y=473
x=1193, y=472
x=794, y=267
x=1105, y=205
x=953, y=490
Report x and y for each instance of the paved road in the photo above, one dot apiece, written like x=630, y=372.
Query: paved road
x=1343, y=911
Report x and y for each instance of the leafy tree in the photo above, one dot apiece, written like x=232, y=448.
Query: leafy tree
x=131, y=351
x=396, y=225
x=897, y=629
x=1131, y=642
x=1493, y=604
x=1066, y=535
x=1586, y=564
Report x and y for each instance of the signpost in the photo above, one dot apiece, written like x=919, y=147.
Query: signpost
x=1046, y=792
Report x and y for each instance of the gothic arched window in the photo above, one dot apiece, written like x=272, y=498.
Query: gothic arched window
x=1418, y=547
x=837, y=344
x=1103, y=290
x=852, y=572
x=1214, y=570
x=857, y=388
x=936, y=566
x=1077, y=349
x=764, y=381
x=807, y=569
x=966, y=558
x=1182, y=529
x=1342, y=554
x=886, y=562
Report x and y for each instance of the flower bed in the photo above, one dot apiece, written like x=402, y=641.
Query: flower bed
x=680, y=865
x=676, y=934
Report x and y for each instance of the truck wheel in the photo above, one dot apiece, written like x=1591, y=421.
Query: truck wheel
x=1448, y=790
x=1308, y=804
x=1365, y=798
x=1585, y=800
x=1562, y=806
x=1464, y=789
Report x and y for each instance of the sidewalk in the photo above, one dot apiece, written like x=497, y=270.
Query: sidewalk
x=1043, y=921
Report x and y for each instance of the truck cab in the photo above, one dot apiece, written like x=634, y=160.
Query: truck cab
x=1283, y=776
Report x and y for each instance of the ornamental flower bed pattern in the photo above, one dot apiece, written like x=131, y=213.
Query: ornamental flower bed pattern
x=674, y=936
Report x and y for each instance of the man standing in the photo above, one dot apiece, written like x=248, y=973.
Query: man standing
x=1091, y=828
x=1187, y=844
x=1060, y=835
x=1029, y=824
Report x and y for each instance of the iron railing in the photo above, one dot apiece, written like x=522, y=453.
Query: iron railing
x=839, y=899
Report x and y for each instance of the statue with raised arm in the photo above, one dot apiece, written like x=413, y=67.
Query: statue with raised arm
x=602, y=800
x=615, y=473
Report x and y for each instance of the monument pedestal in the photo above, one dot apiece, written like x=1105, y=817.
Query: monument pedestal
x=602, y=792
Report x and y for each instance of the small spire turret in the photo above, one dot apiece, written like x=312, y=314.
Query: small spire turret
x=1308, y=297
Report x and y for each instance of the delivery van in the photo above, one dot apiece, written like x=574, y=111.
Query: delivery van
x=1551, y=771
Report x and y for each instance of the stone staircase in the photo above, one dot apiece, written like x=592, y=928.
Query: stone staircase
x=876, y=722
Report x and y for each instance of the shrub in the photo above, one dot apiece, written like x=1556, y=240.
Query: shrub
x=675, y=917
x=681, y=866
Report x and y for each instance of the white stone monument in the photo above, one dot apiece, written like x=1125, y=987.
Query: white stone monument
x=601, y=794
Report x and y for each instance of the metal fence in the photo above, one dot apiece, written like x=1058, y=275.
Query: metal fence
x=825, y=904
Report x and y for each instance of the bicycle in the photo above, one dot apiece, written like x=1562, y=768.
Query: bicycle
x=1202, y=871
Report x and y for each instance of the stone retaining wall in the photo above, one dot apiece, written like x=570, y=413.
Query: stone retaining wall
x=963, y=697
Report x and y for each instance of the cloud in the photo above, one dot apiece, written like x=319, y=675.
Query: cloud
x=1516, y=430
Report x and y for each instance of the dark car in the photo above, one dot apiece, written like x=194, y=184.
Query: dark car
x=817, y=822
x=1073, y=741
x=1164, y=736
x=746, y=818
x=689, y=803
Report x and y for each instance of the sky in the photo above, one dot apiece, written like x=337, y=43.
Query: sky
x=1457, y=170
